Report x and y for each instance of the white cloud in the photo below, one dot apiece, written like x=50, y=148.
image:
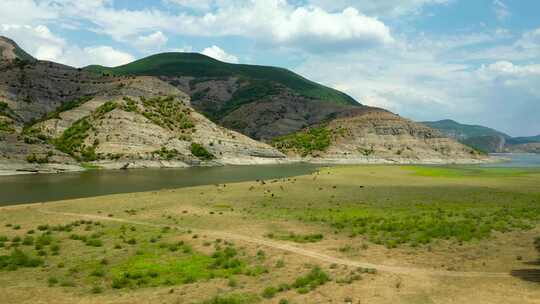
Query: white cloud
x=25, y=12
x=383, y=8
x=270, y=22
x=151, y=42
x=40, y=42
x=501, y=10
x=219, y=54
x=194, y=4
x=103, y=55
x=418, y=79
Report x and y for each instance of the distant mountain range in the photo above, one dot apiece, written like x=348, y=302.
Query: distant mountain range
x=178, y=109
x=486, y=139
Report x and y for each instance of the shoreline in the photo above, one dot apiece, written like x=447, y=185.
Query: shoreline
x=20, y=168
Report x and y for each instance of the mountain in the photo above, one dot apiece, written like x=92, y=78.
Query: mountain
x=375, y=135
x=9, y=50
x=463, y=131
x=55, y=118
x=259, y=101
x=486, y=139
x=479, y=137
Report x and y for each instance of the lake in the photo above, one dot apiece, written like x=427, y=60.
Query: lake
x=517, y=160
x=20, y=189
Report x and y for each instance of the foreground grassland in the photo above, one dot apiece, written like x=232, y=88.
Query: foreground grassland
x=356, y=234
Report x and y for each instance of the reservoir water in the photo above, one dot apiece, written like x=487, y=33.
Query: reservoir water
x=20, y=189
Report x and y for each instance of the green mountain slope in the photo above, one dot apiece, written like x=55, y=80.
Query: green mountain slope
x=463, y=131
x=201, y=66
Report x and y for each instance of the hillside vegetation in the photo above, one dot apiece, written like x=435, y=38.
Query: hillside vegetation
x=201, y=66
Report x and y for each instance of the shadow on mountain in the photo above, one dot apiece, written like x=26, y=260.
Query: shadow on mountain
x=532, y=274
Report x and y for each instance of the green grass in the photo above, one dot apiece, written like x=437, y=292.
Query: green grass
x=467, y=172
x=305, y=142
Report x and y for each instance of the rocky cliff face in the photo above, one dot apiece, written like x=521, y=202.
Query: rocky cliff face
x=276, y=112
x=376, y=135
x=54, y=117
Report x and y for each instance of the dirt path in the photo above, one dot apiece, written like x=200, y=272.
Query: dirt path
x=297, y=250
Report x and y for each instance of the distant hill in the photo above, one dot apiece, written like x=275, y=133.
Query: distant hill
x=463, y=131
x=260, y=101
x=485, y=139
x=524, y=140
x=479, y=137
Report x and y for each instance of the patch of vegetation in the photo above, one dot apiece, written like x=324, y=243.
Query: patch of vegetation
x=233, y=299
x=184, y=267
x=18, y=259
x=255, y=90
x=306, y=142
x=168, y=113
x=298, y=238
x=199, y=151
x=5, y=110
x=104, y=109
x=421, y=224
x=303, y=284
x=72, y=140
x=37, y=159
x=167, y=154
x=70, y=105
x=315, y=278
x=6, y=126
x=463, y=172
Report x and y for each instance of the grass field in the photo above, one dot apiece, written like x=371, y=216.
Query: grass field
x=353, y=234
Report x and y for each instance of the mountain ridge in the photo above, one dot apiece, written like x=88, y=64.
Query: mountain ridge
x=484, y=138
x=56, y=118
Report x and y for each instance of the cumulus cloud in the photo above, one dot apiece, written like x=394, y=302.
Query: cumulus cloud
x=383, y=8
x=270, y=22
x=417, y=78
x=151, y=42
x=40, y=42
x=219, y=54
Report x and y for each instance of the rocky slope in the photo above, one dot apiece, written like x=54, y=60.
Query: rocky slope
x=375, y=136
x=258, y=101
x=54, y=118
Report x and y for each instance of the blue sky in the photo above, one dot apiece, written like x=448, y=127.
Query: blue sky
x=472, y=61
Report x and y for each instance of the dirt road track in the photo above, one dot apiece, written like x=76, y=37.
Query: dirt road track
x=297, y=250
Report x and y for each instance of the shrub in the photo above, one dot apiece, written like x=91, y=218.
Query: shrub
x=315, y=278
x=200, y=152
x=17, y=259
x=269, y=292
x=305, y=142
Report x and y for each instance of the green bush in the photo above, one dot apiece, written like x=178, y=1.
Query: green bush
x=18, y=259
x=315, y=278
x=200, y=152
x=305, y=142
x=269, y=292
